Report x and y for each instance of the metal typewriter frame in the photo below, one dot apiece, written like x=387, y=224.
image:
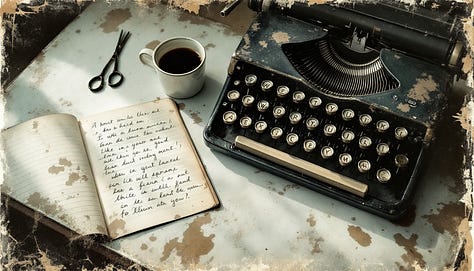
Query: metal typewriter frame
x=272, y=60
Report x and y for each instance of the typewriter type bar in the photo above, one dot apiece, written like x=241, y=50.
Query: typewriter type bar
x=302, y=166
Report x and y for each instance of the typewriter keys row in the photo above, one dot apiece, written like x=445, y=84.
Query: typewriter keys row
x=330, y=108
x=329, y=130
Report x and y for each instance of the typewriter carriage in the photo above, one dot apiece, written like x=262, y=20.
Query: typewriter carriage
x=429, y=30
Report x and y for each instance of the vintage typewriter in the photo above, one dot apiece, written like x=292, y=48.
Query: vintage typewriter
x=340, y=98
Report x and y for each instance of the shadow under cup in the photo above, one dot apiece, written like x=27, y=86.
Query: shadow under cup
x=180, y=64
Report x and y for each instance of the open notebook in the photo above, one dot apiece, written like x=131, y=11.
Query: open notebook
x=113, y=173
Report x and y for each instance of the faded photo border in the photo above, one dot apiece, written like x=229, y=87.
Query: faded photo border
x=12, y=10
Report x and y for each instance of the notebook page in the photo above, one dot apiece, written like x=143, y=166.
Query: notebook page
x=48, y=171
x=146, y=169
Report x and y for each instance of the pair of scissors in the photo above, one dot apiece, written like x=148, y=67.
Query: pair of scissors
x=116, y=77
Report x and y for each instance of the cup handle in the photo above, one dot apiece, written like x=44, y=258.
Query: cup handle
x=146, y=57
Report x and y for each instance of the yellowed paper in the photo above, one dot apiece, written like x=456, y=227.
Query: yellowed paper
x=48, y=170
x=145, y=166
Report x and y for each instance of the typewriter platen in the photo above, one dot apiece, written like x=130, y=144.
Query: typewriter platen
x=342, y=99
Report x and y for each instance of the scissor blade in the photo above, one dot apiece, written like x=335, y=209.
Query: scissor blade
x=122, y=40
x=119, y=41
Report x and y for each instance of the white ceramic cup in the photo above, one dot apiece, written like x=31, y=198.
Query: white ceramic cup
x=182, y=81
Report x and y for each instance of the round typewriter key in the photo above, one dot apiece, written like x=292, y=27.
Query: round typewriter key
x=348, y=114
x=250, y=79
x=295, y=117
x=229, y=117
x=347, y=136
x=365, y=119
x=327, y=152
x=382, y=149
x=345, y=159
x=312, y=123
x=298, y=96
x=278, y=111
x=276, y=132
x=248, y=100
x=365, y=142
x=260, y=126
x=401, y=160
x=382, y=126
x=315, y=102
x=331, y=108
x=329, y=129
x=292, y=139
x=262, y=106
x=363, y=166
x=282, y=91
x=401, y=133
x=233, y=95
x=266, y=85
x=383, y=175
x=236, y=82
x=309, y=145
x=245, y=122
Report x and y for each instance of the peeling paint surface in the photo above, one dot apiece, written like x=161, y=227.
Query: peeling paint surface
x=465, y=118
x=195, y=116
x=281, y=37
x=193, y=245
x=116, y=227
x=51, y=208
x=361, y=237
x=314, y=241
x=192, y=6
x=311, y=220
x=411, y=257
x=404, y=107
x=423, y=87
x=448, y=218
x=467, y=64
x=263, y=43
x=114, y=19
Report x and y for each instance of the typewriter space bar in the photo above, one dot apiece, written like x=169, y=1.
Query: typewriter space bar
x=302, y=166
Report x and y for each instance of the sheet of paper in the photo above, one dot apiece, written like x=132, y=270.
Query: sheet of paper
x=48, y=170
x=146, y=168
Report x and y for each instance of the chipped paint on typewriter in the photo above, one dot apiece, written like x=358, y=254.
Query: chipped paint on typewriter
x=340, y=98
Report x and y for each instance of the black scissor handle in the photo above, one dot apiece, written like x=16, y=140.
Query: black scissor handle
x=115, y=79
x=96, y=83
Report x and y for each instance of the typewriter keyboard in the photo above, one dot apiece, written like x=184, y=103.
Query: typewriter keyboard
x=343, y=143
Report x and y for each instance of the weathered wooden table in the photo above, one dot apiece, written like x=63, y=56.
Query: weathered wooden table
x=264, y=222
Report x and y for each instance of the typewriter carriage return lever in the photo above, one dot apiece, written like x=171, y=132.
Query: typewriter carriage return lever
x=340, y=98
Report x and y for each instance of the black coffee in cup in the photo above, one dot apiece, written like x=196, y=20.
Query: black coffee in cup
x=180, y=65
x=179, y=61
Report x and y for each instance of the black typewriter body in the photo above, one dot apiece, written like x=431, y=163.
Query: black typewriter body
x=354, y=127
